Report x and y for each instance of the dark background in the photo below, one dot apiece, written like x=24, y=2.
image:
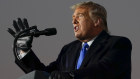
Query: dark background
x=123, y=20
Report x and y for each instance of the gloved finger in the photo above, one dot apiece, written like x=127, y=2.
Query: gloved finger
x=11, y=32
x=16, y=26
x=20, y=23
x=25, y=22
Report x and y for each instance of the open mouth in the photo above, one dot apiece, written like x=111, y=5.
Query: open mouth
x=76, y=28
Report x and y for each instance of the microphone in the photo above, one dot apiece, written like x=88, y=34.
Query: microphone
x=36, y=33
x=47, y=32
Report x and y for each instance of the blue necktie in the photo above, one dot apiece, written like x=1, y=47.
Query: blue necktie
x=82, y=55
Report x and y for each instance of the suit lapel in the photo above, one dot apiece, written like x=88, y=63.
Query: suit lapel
x=73, y=55
x=95, y=46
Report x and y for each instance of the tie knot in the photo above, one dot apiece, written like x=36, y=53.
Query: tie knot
x=86, y=45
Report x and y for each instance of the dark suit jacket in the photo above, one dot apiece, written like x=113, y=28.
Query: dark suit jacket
x=109, y=57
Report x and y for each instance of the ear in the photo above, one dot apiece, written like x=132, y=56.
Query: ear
x=97, y=22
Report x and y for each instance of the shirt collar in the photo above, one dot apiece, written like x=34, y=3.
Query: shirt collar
x=89, y=42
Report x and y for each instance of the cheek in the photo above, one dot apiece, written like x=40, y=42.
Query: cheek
x=86, y=26
x=83, y=24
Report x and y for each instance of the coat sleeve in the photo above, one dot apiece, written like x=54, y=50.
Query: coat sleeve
x=116, y=62
x=31, y=62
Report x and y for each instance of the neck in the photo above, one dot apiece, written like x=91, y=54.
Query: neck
x=92, y=36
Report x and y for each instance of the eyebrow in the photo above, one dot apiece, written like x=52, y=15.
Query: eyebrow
x=78, y=14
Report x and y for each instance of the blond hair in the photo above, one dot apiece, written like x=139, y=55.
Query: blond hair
x=95, y=11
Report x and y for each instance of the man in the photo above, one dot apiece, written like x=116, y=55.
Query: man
x=95, y=55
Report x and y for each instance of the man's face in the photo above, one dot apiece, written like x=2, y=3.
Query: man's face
x=83, y=24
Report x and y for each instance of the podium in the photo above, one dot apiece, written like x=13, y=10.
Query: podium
x=36, y=75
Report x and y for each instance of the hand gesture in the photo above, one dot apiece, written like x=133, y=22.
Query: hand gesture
x=23, y=43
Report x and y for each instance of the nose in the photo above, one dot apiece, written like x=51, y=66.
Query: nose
x=74, y=21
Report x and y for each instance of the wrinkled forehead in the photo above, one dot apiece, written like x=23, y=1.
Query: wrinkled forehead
x=80, y=10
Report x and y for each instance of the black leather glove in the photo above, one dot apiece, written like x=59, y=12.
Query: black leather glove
x=24, y=43
x=61, y=75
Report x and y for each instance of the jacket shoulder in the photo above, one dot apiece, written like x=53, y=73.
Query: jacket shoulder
x=119, y=38
x=120, y=41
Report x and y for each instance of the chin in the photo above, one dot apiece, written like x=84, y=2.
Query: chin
x=79, y=37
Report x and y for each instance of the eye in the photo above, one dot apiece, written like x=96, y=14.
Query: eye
x=80, y=15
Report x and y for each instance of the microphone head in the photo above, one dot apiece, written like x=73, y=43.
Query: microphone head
x=50, y=31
